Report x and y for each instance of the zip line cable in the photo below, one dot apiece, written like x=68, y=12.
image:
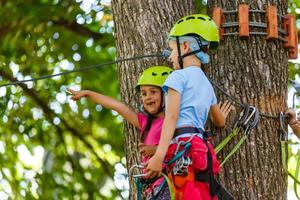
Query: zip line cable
x=83, y=69
x=239, y=103
x=164, y=54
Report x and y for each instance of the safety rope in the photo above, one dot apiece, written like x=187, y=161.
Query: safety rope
x=164, y=54
x=142, y=183
x=247, y=121
x=83, y=69
x=284, y=158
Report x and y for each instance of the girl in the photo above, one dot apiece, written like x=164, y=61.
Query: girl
x=190, y=99
x=148, y=122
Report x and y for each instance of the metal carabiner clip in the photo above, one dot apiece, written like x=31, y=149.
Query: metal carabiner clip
x=136, y=167
x=284, y=134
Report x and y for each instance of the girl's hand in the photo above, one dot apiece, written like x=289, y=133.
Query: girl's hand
x=78, y=94
x=147, y=150
x=154, y=166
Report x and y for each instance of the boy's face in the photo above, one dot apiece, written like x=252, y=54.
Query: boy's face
x=151, y=98
x=173, y=58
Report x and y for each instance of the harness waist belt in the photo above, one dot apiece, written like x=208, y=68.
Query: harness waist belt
x=184, y=130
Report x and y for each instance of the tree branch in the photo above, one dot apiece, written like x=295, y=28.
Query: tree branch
x=71, y=26
x=49, y=113
x=82, y=30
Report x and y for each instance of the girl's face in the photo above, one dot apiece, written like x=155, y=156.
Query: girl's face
x=151, y=98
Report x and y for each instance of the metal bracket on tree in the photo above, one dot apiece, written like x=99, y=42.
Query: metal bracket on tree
x=287, y=32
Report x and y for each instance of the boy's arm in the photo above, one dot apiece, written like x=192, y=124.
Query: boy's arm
x=110, y=103
x=155, y=163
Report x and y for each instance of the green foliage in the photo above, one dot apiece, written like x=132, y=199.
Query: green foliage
x=51, y=148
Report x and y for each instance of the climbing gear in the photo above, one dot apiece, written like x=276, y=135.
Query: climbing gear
x=247, y=121
x=236, y=128
x=284, y=157
x=143, y=183
x=139, y=182
x=287, y=32
x=182, y=160
x=184, y=172
x=200, y=25
x=155, y=75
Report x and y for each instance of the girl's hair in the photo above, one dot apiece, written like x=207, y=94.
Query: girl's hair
x=147, y=128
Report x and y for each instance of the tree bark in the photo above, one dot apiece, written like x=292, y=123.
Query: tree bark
x=255, y=72
x=141, y=27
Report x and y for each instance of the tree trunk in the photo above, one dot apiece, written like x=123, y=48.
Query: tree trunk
x=141, y=27
x=255, y=72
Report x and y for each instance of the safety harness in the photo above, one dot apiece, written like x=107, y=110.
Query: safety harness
x=207, y=176
x=246, y=121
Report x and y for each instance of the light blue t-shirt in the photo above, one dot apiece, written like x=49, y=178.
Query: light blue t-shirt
x=197, y=96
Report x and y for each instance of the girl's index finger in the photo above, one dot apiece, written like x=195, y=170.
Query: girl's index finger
x=70, y=91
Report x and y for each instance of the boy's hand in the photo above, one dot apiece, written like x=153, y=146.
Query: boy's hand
x=154, y=166
x=147, y=150
x=225, y=108
x=77, y=94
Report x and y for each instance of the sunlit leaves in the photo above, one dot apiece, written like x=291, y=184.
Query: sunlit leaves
x=49, y=145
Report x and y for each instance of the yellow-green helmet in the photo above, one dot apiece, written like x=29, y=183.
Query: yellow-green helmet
x=197, y=24
x=155, y=75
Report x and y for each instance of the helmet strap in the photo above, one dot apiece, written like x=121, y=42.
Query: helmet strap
x=180, y=58
x=201, y=48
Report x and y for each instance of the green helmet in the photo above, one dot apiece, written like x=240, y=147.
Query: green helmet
x=155, y=75
x=198, y=24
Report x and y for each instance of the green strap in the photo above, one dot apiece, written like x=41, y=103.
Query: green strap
x=237, y=146
x=226, y=140
x=170, y=186
x=284, y=165
x=283, y=156
x=139, y=189
x=297, y=175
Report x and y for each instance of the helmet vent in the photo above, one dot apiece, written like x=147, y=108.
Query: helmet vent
x=154, y=74
x=201, y=18
x=190, y=18
x=164, y=74
x=180, y=21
